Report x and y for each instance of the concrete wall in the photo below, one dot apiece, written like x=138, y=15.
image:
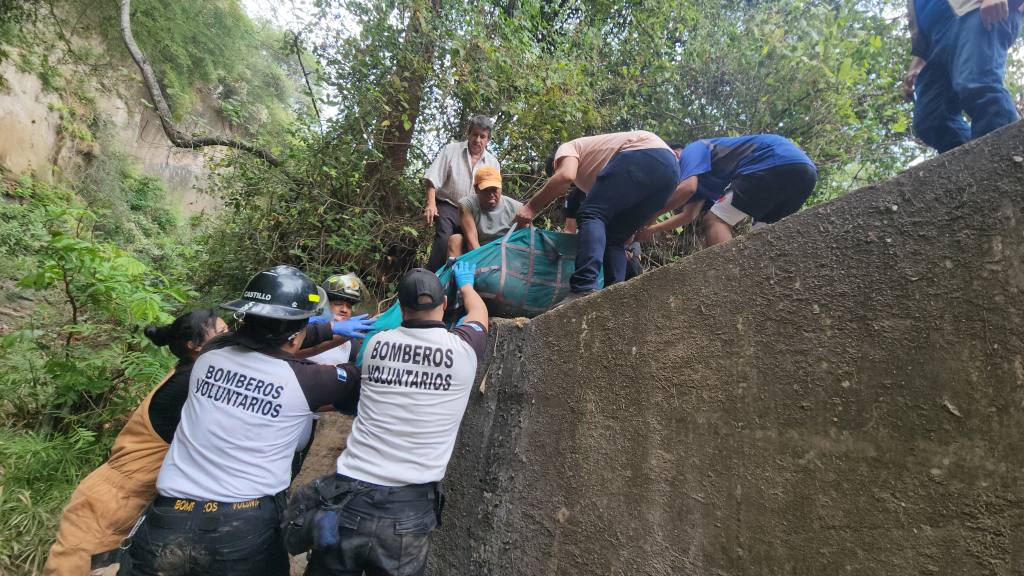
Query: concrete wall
x=841, y=393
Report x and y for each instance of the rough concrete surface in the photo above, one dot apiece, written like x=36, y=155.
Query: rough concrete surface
x=840, y=393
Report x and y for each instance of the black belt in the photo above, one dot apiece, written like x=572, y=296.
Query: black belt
x=428, y=490
x=207, y=514
x=210, y=506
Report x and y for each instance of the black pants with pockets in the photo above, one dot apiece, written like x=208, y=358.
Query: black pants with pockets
x=770, y=195
x=182, y=537
x=446, y=223
x=383, y=531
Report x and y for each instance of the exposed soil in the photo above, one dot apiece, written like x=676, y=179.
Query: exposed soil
x=331, y=435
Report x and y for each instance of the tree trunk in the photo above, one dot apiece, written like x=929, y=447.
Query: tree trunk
x=393, y=138
x=178, y=137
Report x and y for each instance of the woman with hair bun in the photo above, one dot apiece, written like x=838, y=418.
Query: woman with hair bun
x=106, y=505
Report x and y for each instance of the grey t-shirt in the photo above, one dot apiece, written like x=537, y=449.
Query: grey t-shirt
x=491, y=225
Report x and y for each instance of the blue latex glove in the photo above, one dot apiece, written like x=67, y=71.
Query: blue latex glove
x=354, y=327
x=465, y=272
x=317, y=320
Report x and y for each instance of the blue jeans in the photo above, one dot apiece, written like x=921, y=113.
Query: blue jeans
x=383, y=531
x=964, y=73
x=629, y=191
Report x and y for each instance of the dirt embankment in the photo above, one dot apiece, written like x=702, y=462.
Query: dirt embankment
x=37, y=141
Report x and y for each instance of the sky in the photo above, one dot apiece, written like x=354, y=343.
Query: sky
x=288, y=14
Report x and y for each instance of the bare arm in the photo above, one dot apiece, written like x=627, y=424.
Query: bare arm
x=684, y=191
x=469, y=233
x=688, y=214
x=910, y=78
x=556, y=186
x=430, y=206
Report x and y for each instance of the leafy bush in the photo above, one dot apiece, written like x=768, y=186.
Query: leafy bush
x=77, y=365
x=37, y=472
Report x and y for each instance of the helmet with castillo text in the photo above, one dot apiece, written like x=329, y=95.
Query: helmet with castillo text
x=282, y=293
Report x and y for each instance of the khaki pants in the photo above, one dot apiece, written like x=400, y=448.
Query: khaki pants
x=101, y=513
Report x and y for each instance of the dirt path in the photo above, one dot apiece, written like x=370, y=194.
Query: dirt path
x=331, y=434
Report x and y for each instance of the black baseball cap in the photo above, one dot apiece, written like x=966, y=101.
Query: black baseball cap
x=420, y=282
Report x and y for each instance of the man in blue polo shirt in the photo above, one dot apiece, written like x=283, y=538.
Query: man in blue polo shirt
x=762, y=176
x=959, y=49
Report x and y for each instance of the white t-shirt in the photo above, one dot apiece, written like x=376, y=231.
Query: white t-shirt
x=452, y=175
x=416, y=382
x=336, y=355
x=242, y=420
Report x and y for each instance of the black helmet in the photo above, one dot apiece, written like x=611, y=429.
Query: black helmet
x=282, y=293
x=343, y=287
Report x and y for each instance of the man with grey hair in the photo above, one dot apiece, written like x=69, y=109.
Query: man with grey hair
x=450, y=179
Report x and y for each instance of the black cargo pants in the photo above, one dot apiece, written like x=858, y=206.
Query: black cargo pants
x=200, y=538
x=383, y=531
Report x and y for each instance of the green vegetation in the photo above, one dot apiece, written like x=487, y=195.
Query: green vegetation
x=76, y=364
x=210, y=47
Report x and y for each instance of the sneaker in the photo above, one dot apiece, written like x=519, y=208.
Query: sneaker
x=572, y=297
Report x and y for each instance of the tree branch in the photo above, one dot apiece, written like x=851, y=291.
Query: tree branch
x=163, y=111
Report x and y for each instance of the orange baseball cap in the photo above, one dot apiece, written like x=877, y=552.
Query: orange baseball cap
x=486, y=177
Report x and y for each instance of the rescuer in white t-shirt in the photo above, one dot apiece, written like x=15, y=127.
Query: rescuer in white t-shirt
x=221, y=485
x=416, y=380
x=343, y=293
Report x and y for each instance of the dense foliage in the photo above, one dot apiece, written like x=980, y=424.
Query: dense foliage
x=76, y=364
x=402, y=78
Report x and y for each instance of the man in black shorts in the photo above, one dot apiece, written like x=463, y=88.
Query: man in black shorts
x=762, y=176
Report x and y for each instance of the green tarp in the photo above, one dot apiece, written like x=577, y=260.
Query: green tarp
x=524, y=273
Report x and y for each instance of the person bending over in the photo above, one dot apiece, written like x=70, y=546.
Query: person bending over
x=627, y=178
x=763, y=176
x=106, y=504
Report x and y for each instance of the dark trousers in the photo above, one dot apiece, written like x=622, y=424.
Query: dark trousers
x=187, y=537
x=445, y=224
x=383, y=531
x=629, y=191
x=964, y=73
x=771, y=194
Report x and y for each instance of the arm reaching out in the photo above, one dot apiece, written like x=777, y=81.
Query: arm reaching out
x=469, y=233
x=556, y=186
x=684, y=191
x=476, y=310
